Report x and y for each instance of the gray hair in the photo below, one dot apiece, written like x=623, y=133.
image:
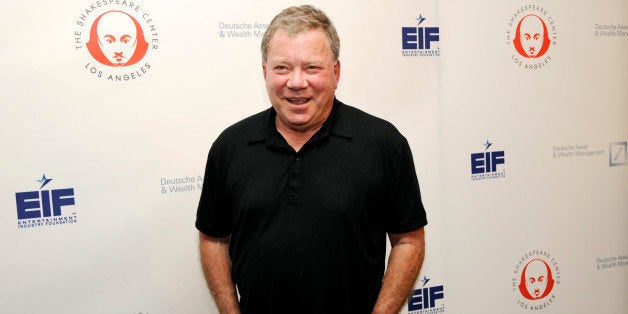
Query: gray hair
x=298, y=19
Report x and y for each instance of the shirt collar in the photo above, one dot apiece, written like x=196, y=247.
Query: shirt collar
x=333, y=125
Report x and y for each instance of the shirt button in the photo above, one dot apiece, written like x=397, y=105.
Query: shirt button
x=294, y=183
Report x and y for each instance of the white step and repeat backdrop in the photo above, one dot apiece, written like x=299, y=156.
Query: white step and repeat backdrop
x=516, y=111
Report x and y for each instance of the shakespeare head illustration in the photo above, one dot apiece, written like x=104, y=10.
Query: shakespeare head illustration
x=531, y=38
x=116, y=39
x=536, y=280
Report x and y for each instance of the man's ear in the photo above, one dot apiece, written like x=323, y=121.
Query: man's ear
x=337, y=72
x=264, y=70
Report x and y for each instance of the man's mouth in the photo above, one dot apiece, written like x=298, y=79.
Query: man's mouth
x=298, y=101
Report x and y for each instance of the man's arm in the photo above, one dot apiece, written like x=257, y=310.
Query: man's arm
x=404, y=265
x=217, y=268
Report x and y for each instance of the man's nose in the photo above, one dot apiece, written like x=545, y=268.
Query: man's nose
x=297, y=80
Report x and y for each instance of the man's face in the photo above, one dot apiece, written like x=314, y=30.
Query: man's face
x=531, y=35
x=301, y=78
x=536, y=278
x=117, y=37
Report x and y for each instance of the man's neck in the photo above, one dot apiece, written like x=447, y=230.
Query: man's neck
x=296, y=138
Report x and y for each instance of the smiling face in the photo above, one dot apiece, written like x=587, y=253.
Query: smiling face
x=532, y=35
x=301, y=78
x=117, y=37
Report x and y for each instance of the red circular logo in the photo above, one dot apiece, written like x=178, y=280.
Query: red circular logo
x=531, y=37
x=536, y=280
x=116, y=39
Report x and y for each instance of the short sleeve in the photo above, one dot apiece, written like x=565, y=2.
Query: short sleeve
x=213, y=216
x=405, y=211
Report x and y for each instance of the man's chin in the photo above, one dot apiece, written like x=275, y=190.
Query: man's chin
x=297, y=123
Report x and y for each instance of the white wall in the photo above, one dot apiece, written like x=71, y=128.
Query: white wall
x=117, y=144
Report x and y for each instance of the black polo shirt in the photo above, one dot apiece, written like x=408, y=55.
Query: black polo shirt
x=308, y=228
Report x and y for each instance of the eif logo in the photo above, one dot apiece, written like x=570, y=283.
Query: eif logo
x=488, y=164
x=424, y=300
x=420, y=40
x=45, y=207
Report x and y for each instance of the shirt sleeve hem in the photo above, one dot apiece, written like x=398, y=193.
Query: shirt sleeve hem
x=408, y=227
x=212, y=232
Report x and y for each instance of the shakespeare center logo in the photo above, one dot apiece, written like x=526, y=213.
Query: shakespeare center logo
x=535, y=280
x=420, y=40
x=488, y=164
x=116, y=39
x=531, y=36
x=45, y=207
x=427, y=299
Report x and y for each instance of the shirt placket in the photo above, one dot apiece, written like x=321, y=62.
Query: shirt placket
x=294, y=183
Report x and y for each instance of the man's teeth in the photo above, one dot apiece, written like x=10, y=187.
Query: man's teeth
x=297, y=100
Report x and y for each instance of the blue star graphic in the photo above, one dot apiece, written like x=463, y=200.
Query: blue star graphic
x=425, y=280
x=420, y=19
x=43, y=181
x=487, y=144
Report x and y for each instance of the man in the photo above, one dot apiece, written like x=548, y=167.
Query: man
x=297, y=199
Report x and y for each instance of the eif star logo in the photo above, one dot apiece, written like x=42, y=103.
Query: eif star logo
x=427, y=299
x=425, y=280
x=484, y=165
x=420, y=40
x=45, y=207
x=43, y=181
x=487, y=145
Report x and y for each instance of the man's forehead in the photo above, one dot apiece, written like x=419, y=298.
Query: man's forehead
x=312, y=40
x=283, y=32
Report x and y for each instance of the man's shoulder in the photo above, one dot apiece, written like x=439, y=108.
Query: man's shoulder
x=249, y=128
x=361, y=122
x=354, y=114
